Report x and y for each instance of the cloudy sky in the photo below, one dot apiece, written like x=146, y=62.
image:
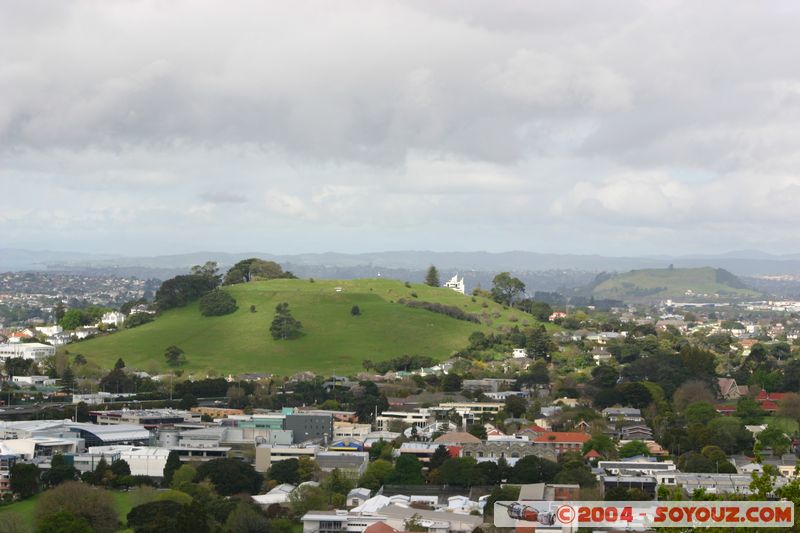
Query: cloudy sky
x=618, y=127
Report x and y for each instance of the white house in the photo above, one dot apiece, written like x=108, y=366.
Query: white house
x=456, y=284
x=113, y=318
x=519, y=353
x=49, y=330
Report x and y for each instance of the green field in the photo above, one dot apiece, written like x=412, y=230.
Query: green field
x=678, y=283
x=333, y=340
x=27, y=508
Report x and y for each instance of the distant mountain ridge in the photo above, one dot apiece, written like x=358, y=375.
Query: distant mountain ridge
x=741, y=263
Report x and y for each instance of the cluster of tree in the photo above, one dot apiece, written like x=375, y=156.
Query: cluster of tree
x=284, y=326
x=174, y=355
x=506, y=289
x=217, y=303
x=254, y=269
x=448, y=310
x=137, y=319
x=536, y=341
x=709, y=459
x=75, y=318
x=180, y=290
x=114, y=475
x=403, y=363
x=540, y=310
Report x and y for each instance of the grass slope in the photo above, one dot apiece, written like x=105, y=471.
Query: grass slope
x=653, y=284
x=333, y=340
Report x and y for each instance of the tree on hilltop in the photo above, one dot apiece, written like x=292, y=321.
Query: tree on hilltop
x=432, y=277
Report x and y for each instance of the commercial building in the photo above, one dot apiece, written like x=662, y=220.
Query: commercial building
x=266, y=454
x=308, y=427
x=143, y=460
x=149, y=418
x=350, y=464
x=27, y=350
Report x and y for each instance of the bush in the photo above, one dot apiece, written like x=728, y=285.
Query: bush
x=217, y=303
x=137, y=319
x=449, y=310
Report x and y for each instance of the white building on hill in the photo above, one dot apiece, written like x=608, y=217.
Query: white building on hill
x=456, y=284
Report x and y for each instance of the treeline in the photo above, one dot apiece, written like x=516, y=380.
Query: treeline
x=205, y=279
x=403, y=363
x=448, y=310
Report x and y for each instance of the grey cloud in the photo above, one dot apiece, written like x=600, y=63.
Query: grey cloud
x=221, y=197
x=568, y=126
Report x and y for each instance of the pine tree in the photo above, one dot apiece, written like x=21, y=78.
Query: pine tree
x=173, y=464
x=284, y=326
x=432, y=278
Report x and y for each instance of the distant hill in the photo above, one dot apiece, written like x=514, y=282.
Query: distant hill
x=686, y=284
x=333, y=340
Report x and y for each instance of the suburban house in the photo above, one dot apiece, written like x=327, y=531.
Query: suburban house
x=730, y=390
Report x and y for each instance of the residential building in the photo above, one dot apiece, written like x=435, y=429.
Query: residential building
x=7, y=462
x=730, y=390
x=456, y=284
x=511, y=451
x=113, y=318
x=562, y=441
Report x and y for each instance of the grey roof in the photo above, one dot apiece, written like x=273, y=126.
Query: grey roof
x=331, y=460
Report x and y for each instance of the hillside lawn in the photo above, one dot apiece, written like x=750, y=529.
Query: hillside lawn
x=333, y=340
x=27, y=508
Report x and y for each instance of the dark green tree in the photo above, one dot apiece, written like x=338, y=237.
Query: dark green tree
x=284, y=326
x=506, y=288
x=181, y=290
x=24, y=480
x=407, y=471
x=217, y=303
x=173, y=464
x=230, y=476
x=532, y=469
x=59, y=471
x=284, y=471
x=174, y=355
x=253, y=268
x=439, y=456
x=154, y=517
x=452, y=382
x=432, y=277
x=64, y=522
x=477, y=430
x=516, y=406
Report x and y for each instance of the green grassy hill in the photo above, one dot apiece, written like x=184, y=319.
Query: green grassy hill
x=333, y=340
x=706, y=284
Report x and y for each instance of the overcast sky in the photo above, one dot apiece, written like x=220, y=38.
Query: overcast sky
x=615, y=127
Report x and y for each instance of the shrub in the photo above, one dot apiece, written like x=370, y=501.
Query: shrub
x=217, y=303
x=449, y=310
